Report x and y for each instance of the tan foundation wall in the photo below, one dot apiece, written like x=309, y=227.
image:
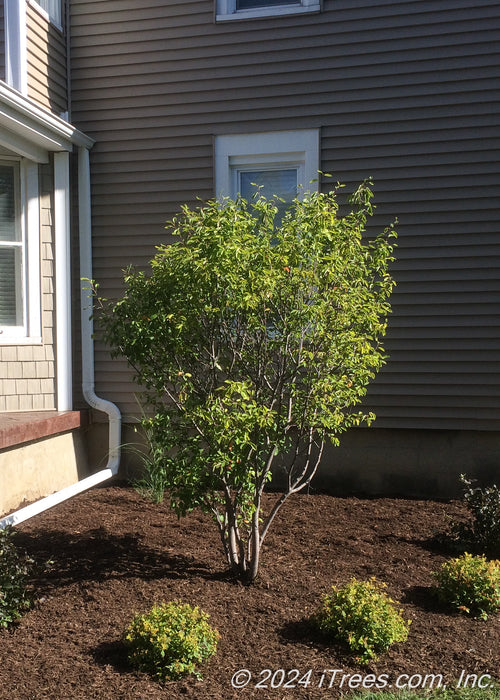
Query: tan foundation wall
x=36, y=469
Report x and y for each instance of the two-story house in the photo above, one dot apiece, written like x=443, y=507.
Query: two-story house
x=188, y=99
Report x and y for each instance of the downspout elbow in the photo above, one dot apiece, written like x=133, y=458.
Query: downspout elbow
x=114, y=425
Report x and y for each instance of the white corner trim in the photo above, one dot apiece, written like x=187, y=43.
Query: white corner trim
x=16, y=61
x=62, y=282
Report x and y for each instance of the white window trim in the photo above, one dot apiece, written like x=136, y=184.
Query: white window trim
x=226, y=10
x=267, y=150
x=29, y=212
x=57, y=24
x=16, y=54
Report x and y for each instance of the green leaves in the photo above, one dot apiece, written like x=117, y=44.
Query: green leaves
x=481, y=532
x=253, y=339
x=16, y=569
x=362, y=616
x=170, y=640
x=471, y=584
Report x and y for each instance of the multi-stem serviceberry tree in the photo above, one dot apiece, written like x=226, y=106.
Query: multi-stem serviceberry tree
x=253, y=340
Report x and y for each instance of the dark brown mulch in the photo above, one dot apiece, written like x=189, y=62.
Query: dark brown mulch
x=115, y=554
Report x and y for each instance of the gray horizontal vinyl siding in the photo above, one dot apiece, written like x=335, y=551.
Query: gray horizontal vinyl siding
x=404, y=92
x=47, y=66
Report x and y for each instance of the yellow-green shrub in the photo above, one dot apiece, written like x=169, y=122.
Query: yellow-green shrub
x=170, y=640
x=471, y=584
x=361, y=615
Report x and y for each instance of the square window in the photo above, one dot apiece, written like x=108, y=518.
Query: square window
x=281, y=163
x=249, y=9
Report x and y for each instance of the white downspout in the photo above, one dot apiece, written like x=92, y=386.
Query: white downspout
x=114, y=438
x=114, y=416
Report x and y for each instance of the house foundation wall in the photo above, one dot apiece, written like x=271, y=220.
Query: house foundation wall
x=372, y=462
x=409, y=463
x=36, y=469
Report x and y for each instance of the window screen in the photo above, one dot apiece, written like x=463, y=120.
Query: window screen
x=282, y=183
x=251, y=4
x=52, y=8
x=10, y=249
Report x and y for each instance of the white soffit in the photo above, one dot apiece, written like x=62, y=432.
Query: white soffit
x=31, y=130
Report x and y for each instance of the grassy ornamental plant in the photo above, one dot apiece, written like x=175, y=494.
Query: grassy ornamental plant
x=16, y=569
x=470, y=584
x=170, y=640
x=362, y=616
x=253, y=341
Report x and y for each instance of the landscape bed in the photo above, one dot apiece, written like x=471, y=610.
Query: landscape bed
x=114, y=554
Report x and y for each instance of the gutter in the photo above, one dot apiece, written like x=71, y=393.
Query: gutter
x=22, y=115
x=112, y=411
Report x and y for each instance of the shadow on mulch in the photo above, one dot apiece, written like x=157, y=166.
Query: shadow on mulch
x=439, y=543
x=112, y=654
x=423, y=597
x=98, y=555
x=305, y=632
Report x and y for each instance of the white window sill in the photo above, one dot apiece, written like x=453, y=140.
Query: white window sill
x=278, y=10
x=20, y=340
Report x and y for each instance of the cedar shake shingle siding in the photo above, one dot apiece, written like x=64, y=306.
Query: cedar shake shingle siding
x=405, y=92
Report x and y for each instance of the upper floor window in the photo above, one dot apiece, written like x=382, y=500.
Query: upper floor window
x=248, y=9
x=53, y=9
x=252, y=4
x=281, y=163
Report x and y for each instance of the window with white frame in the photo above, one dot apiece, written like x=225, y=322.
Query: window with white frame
x=19, y=252
x=53, y=8
x=11, y=247
x=281, y=163
x=248, y=9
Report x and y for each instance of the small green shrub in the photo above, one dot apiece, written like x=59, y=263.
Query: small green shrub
x=471, y=584
x=481, y=532
x=15, y=570
x=363, y=616
x=170, y=640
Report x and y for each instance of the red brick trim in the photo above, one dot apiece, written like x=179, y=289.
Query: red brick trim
x=18, y=428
